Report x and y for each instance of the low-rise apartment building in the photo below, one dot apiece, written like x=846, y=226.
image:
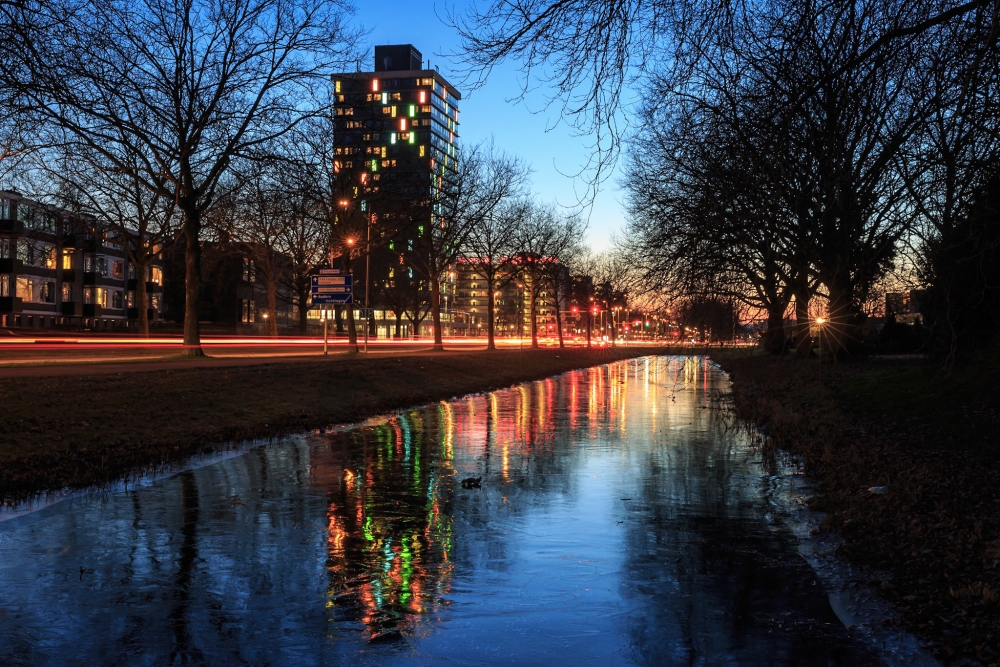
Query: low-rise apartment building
x=59, y=269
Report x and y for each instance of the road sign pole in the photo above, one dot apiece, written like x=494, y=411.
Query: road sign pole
x=325, y=332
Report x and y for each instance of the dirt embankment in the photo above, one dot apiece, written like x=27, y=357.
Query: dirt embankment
x=72, y=430
x=932, y=441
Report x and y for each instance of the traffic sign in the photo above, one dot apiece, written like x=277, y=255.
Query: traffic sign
x=368, y=313
x=330, y=272
x=331, y=280
x=332, y=299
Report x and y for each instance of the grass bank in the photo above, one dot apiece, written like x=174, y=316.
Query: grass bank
x=73, y=431
x=932, y=440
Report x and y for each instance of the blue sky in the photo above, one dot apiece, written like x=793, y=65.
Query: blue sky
x=487, y=111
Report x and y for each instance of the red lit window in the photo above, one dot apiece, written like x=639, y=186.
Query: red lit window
x=423, y=97
x=375, y=85
x=402, y=125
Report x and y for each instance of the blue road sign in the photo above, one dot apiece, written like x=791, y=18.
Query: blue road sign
x=331, y=288
x=332, y=299
x=367, y=313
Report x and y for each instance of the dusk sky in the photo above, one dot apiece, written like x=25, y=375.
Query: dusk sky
x=488, y=112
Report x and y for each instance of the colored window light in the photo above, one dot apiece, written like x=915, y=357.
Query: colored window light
x=402, y=125
x=385, y=98
x=413, y=137
x=375, y=85
x=392, y=138
x=374, y=165
x=423, y=96
x=413, y=110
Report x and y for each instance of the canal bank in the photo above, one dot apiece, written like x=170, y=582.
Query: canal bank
x=76, y=430
x=906, y=464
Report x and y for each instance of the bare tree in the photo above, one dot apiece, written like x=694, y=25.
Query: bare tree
x=187, y=85
x=486, y=178
x=544, y=236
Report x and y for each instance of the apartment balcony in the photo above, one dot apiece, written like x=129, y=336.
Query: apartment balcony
x=151, y=314
x=94, y=278
x=69, y=275
x=13, y=227
x=151, y=287
x=11, y=265
x=10, y=304
x=92, y=310
x=72, y=309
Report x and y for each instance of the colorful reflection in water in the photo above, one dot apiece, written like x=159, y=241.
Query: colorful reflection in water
x=620, y=521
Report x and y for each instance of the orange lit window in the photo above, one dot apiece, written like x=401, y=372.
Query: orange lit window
x=375, y=85
x=402, y=125
x=423, y=97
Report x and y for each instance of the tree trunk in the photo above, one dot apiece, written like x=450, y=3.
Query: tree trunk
x=490, y=316
x=352, y=330
x=303, y=296
x=840, y=331
x=338, y=319
x=534, y=320
x=774, y=337
x=589, y=322
x=399, y=323
x=141, y=298
x=192, y=279
x=436, y=311
x=803, y=341
x=272, y=304
x=559, y=327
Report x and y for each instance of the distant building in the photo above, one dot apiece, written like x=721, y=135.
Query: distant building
x=905, y=306
x=58, y=269
x=513, y=302
x=231, y=294
x=396, y=153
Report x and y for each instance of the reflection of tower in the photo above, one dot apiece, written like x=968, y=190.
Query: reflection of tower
x=388, y=534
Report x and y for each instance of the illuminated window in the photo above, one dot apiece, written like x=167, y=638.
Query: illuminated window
x=402, y=124
x=385, y=98
x=423, y=97
x=426, y=82
x=383, y=151
x=392, y=138
x=393, y=111
x=423, y=150
x=374, y=165
x=413, y=137
x=364, y=204
x=392, y=246
x=375, y=85
x=413, y=110
x=336, y=86
x=425, y=109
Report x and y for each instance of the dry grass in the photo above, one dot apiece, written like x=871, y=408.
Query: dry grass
x=931, y=439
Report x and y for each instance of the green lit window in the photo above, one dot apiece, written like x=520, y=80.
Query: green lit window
x=420, y=229
x=392, y=245
x=374, y=165
x=413, y=110
x=413, y=137
x=392, y=138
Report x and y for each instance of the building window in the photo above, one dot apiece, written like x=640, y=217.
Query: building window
x=154, y=302
x=247, y=311
x=249, y=273
x=67, y=258
x=25, y=289
x=156, y=274
x=48, y=292
x=4, y=209
x=4, y=285
x=116, y=299
x=130, y=299
x=118, y=270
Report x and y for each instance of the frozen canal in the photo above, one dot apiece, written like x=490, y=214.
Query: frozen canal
x=619, y=521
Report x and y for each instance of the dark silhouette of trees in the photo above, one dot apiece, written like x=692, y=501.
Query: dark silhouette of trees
x=187, y=87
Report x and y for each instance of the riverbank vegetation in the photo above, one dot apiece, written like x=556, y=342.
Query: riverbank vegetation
x=933, y=533
x=57, y=432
